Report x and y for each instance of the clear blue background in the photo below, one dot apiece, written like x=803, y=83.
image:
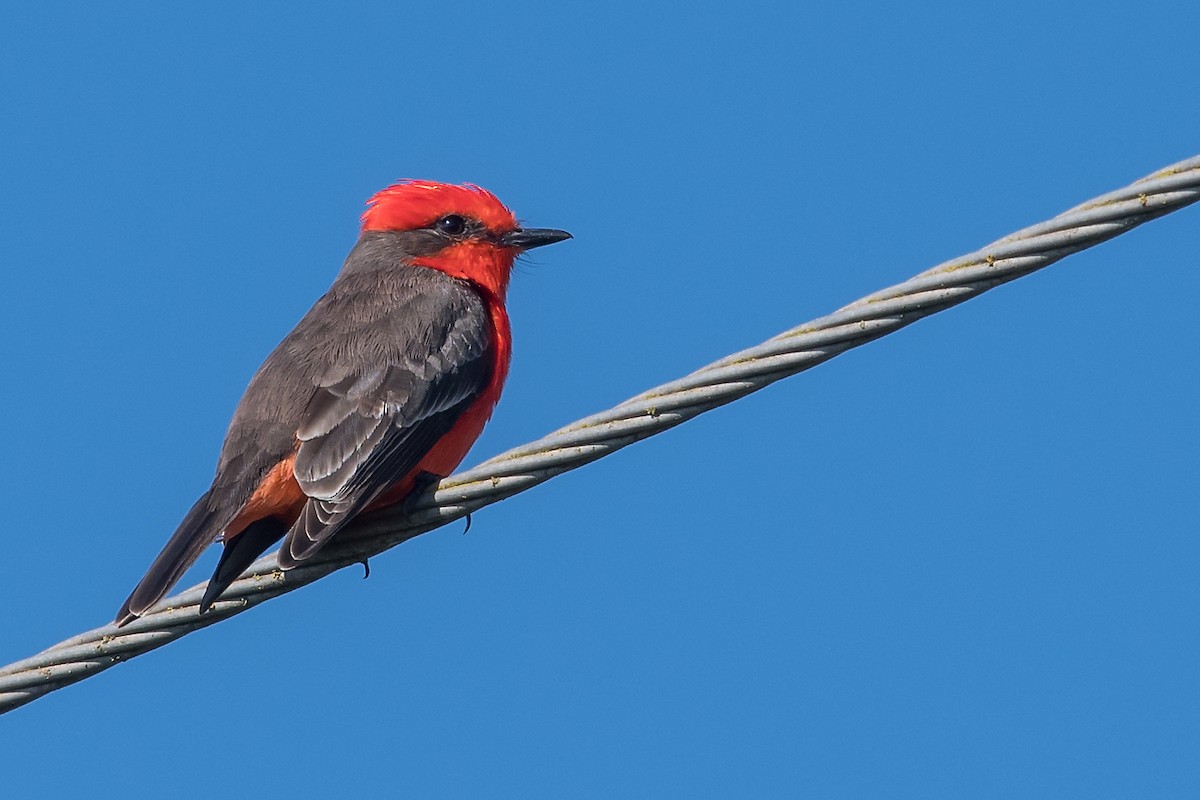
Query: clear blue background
x=959, y=562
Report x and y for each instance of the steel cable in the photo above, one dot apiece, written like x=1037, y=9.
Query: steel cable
x=649, y=413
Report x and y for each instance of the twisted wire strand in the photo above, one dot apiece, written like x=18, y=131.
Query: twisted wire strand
x=651, y=412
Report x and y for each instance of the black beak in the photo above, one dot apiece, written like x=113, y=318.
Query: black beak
x=529, y=238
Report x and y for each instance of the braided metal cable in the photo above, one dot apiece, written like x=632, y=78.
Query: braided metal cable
x=649, y=413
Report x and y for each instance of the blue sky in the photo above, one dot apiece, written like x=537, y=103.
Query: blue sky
x=960, y=561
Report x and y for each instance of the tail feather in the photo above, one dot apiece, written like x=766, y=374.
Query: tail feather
x=194, y=534
x=239, y=553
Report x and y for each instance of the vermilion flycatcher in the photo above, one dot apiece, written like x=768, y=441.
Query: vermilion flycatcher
x=384, y=384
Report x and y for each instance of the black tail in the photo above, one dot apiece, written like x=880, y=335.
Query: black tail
x=195, y=533
x=239, y=553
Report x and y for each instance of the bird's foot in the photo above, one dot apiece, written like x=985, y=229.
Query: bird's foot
x=421, y=482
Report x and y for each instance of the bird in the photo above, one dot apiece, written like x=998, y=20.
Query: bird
x=379, y=390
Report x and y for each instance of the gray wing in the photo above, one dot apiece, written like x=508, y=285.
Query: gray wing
x=366, y=428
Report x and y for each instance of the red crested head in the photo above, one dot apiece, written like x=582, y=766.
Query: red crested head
x=464, y=230
x=409, y=205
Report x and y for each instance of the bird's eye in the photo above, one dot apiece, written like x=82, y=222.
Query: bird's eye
x=451, y=225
